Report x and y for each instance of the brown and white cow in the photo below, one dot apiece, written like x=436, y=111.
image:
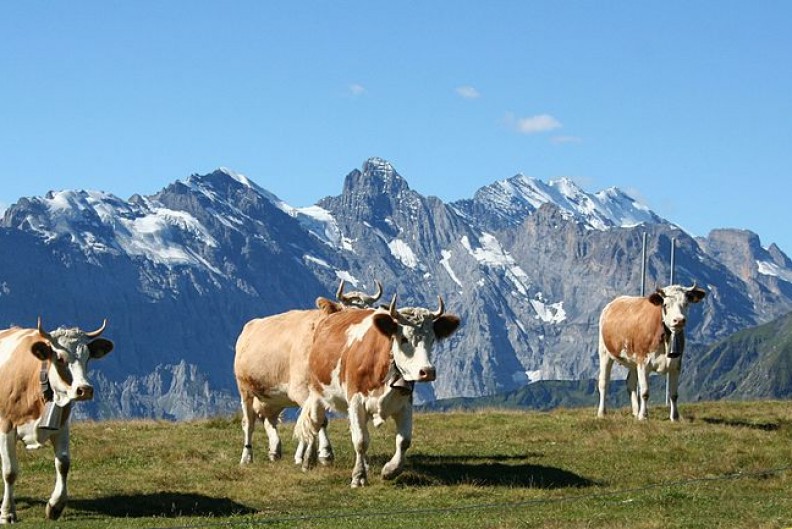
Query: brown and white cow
x=364, y=363
x=39, y=370
x=271, y=368
x=645, y=334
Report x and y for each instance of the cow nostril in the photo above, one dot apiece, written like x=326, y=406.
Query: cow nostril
x=427, y=374
x=84, y=392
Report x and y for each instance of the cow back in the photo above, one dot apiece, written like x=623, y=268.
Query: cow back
x=21, y=399
x=632, y=325
x=273, y=351
x=349, y=343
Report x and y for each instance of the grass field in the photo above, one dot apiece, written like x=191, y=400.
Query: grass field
x=726, y=465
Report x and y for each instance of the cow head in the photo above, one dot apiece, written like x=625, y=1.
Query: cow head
x=413, y=332
x=67, y=352
x=674, y=301
x=359, y=300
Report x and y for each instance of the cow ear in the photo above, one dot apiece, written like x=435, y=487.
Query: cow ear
x=445, y=325
x=99, y=347
x=695, y=295
x=385, y=324
x=327, y=306
x=655, y=298
x=41, y=350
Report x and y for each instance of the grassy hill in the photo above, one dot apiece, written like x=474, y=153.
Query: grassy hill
x=726, y=465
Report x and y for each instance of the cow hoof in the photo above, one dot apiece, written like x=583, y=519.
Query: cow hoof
x=247, y=459
x=10, y=518
x=391, y=471
x=274, y=456
x=53, y=512
x=326, y=461
x=359, y=482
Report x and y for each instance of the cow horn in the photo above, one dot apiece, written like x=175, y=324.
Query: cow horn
x=440, y=309
x=392, y=309
x=340, y=291
x=378, y=295
x=98, y=331
x=41, y=331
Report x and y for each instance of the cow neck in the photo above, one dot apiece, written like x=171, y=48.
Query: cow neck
x=46, y=389
x=675, y=342
x=396, y=380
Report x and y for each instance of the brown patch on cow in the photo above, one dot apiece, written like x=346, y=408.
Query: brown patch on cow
x=364, y=364
x=21, y=399
x=633, y=326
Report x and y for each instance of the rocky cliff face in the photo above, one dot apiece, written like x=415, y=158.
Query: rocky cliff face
x=527, y=265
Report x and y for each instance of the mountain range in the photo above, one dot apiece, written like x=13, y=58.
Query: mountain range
x=527, y=265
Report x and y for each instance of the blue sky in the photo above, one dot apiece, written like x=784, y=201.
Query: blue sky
x=686, y=105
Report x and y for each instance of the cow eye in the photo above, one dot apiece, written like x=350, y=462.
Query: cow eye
x=404, y=340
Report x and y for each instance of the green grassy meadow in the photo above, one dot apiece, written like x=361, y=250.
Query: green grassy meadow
x=725, y=465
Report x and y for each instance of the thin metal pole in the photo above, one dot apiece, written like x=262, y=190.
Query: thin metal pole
x=643, y=267
x=673, y=252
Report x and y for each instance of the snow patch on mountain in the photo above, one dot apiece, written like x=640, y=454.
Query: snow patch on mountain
x=769, y=268
x=445, y=262
x=402, y=251
x=492, y=255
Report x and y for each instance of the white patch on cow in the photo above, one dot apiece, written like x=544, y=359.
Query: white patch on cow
x=9, y=345
x=356, y=332
x=402, y=251
x=446, y=263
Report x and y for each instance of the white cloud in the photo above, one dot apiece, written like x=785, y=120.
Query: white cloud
x=532, y=124
x=467, y=92
x=356, y=89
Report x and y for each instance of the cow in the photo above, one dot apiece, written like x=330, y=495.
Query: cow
x=41, y=375
x=271, y=368
x=645, y=334
x=365, y=363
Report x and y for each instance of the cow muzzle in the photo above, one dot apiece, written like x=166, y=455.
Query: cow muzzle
x=427, y=374
x=83, y=393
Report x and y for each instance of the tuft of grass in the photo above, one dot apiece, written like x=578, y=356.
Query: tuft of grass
x=725, y=465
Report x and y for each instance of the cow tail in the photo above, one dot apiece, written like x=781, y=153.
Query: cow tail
x=306, y=430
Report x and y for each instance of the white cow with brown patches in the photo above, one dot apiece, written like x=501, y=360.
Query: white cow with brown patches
x=364, y=363
x=36, y=367
x=271, y=368
x=645, y=334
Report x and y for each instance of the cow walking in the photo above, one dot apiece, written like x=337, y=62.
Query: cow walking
x=41, y=371
x=645, y=334
x=364, y=363
x=271, y=368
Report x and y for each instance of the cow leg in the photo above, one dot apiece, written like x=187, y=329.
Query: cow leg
x=403, y=421
x=10, y=470
x=606, y=364
x=270, y=420
x=643, y=386
x=326, y=455
x=673, y=389
x=358, y=428
x=57, y=501
x=632, y=389
x=248, y=425
x=310, y=421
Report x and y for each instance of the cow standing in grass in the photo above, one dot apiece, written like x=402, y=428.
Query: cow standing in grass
x=364, y=363
x=271, y=368
x=40, y=369
x=645, y=334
